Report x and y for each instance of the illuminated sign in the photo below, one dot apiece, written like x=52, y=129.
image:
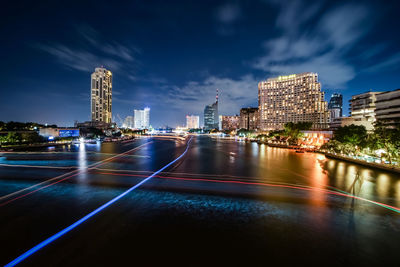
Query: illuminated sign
x=284, y=78
x=69, y=133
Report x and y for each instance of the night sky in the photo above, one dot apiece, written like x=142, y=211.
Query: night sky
x=172, y=55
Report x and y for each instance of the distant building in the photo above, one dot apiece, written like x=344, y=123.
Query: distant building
x=129, y=122
x=101, y=95
x=142, y=118
x=229, y=122
x=249, y=119
x=340, y=122
x=211, y=120
x=192, y=122
x=362, y=109
x=335, y=105
x=292, y=98
x=388, y=108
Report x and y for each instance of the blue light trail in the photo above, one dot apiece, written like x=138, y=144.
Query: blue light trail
x=80, y=221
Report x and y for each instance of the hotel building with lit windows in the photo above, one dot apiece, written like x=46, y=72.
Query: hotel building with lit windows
x=192, y=122
x=101, y=95
x=292, y=98
x=362, y=109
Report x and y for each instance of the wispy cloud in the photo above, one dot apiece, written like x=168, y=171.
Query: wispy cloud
x=112, y=55
x=194, y=95
x=321, y=48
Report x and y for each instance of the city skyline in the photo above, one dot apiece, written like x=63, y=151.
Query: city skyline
x=180, y=75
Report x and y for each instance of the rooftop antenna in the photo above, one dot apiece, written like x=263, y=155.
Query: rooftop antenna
x=217, y=96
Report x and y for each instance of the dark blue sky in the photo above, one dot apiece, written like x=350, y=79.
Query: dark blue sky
x=172, y=55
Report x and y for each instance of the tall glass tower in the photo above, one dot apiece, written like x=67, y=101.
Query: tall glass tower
x=336, y=103
x=211, y=118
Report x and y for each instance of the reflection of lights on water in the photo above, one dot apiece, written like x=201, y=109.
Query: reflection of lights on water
x=254, y=148
x=397, y=192
x=82, y=161
x=382, y=185
x=262, y=151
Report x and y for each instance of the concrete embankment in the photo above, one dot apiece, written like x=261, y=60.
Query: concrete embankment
x=380, y=166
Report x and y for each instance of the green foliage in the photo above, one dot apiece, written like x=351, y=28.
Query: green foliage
x=352, y=139
x=293, y=131
x=244, y=132
x=351, y=134
x=29, y=137
x=195, y=130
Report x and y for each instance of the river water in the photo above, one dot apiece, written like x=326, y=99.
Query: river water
x=225, y=202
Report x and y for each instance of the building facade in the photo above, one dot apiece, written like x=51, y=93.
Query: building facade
x=335, y=105
x=192, y=122
x=292, y=98
x=229, y=123
x=141, y=118
x=101, y=95
x=249, y=119
x=362, y=109
x=211, y=116
x=388, y=108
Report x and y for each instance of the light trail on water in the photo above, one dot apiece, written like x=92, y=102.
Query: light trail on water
x=91, y=214
x=297, y=187
x=62, y=177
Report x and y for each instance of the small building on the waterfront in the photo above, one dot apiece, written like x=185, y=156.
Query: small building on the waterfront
x=316, y=138
x=59, y=132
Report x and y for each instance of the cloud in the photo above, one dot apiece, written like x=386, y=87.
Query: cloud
x=227, y=15
x=320, y=47
x=79, y=59
x=193, y=96
x=391, y=62
x=112, y=55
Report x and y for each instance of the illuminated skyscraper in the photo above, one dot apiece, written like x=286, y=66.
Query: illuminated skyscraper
x=101, y=95
x=292, y=98
x=335, y=106
x=211, y=119
x=192, y=122
x=142, y=118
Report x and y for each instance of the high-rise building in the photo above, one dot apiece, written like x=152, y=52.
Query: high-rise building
x=249, y=119
x=229, y=122
x=101, y=95
x=362, y=109
x=142, y=118
x=292, y=98
x=211, y=120
x=388, y=108
x=192, y=122
x=335, y=106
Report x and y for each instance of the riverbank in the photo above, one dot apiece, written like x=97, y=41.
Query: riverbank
x=380, y=166
x=28, y=146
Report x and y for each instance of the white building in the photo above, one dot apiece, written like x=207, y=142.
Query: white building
x=142, y=118
x=101, y=95
x=362, y=109
x=192, y=122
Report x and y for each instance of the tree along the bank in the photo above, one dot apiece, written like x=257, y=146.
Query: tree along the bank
x=383, y=142
x=293, y=130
